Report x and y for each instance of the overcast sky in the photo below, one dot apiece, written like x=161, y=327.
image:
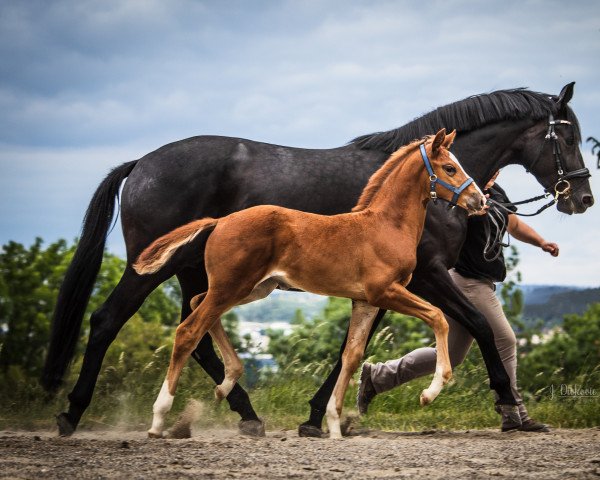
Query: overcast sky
x=88, y=85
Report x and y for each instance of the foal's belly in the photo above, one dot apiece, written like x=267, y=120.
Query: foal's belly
x=314, y=284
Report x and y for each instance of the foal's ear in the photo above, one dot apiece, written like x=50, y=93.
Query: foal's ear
x=450, y=139
x=438, y=141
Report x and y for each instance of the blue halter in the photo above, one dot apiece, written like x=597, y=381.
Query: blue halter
x=433, y=179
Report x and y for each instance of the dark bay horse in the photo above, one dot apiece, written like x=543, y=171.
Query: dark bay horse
x=215, y=176
x=367, y=255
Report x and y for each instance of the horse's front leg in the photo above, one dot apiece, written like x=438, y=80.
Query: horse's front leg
x=361, y=322
x=398, y=298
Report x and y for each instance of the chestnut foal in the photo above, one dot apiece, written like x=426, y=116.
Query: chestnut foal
x=367, y=255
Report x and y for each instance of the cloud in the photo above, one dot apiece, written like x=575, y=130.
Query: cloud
x=86, y=84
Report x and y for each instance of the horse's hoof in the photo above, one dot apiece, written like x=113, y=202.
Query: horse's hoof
x=307, y=430
x=252, y=428
x=65, y=426
x=154, y=435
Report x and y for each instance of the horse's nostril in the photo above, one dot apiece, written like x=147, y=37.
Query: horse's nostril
x=587, y=200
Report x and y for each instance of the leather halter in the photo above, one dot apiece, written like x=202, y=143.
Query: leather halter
x=562, y=187
x=433, y=179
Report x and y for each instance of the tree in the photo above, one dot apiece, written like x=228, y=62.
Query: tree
x=29, y=282
x=570, y=356
x=595, y=146
x=30, y=278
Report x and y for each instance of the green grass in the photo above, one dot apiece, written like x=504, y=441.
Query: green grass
x=125, y=394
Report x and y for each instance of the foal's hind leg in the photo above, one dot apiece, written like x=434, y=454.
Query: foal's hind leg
x=193, y=280
x=363, y=316
x=398, y=298
x=187, y=337
x=233, y=365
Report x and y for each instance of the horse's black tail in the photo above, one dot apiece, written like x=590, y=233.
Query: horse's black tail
x=78, y=283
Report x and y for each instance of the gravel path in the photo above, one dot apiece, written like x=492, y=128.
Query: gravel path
x=282, y=454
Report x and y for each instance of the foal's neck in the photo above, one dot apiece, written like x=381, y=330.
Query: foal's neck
x=403, y=196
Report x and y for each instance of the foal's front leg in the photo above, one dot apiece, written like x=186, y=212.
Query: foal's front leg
x=361, y=322
x=398, y=298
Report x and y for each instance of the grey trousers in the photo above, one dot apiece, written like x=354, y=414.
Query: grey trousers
x=421, y=361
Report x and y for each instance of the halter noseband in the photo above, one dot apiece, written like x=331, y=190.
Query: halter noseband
x=433, y=179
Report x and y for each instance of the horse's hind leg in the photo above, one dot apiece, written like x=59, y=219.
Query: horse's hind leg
x=233, y=365
x=105, y=324
x=398, y=298
x=363, y=316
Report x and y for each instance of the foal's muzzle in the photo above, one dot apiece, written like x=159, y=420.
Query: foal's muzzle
x=475, y=202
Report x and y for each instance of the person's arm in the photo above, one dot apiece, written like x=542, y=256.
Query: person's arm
x=523, y=232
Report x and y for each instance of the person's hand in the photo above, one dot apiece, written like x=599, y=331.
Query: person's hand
x=550, y=247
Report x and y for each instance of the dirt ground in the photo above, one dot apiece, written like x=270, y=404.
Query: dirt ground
x=282, y=454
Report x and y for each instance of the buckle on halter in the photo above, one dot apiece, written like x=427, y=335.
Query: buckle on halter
x=565, y=191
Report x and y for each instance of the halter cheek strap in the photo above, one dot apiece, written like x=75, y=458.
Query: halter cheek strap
x=433, y=179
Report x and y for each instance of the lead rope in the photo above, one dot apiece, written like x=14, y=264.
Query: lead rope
x=493, y=243
x=506, y=206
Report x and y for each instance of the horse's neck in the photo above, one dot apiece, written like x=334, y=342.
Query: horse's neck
x=484, y=151
x=403, y=196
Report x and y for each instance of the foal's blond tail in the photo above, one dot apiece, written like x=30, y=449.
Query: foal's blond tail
x=161, y=250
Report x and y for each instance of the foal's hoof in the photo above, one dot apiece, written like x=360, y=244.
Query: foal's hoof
x=308, y=430
x=426, y=398
x=252, y=428
x=154, y=435
x=65, y=426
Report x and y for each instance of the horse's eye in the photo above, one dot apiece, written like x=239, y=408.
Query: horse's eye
x=449, y=169
x=570, y=141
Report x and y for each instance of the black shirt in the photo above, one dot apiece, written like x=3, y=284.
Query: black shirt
x=471, y=261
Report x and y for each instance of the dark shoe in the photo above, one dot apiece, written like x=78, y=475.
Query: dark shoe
x=511, y=420
x=366, y=391
x=531, y=425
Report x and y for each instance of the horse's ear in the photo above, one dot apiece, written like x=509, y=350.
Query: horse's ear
x=450, y=139
x=565, y=95
x=438, y=141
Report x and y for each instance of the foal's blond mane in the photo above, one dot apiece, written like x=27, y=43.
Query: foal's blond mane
x=379, y=177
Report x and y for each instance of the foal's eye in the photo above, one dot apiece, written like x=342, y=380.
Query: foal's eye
x=449, y=169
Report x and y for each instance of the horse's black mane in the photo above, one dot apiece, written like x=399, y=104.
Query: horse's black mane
x=469, y=114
